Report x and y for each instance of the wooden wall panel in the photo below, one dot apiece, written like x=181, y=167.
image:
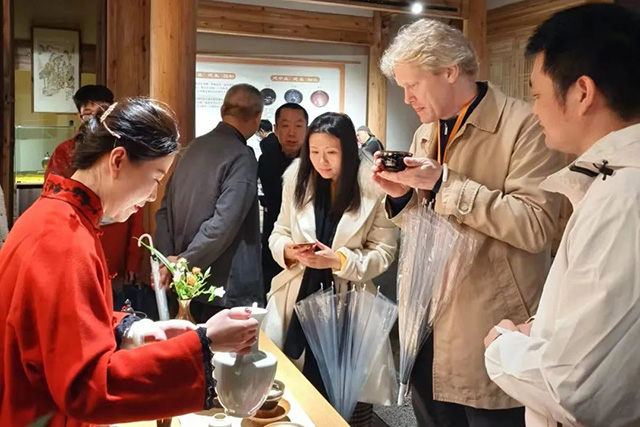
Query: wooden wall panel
x=128, y=47
x=377, y=91
x=508, y=30
x=173, y=68
x=8, y=103
x=475, y=29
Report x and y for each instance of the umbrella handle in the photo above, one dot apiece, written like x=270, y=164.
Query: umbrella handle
x=402, y=392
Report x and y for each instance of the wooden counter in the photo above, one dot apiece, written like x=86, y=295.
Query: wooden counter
x=315, y=406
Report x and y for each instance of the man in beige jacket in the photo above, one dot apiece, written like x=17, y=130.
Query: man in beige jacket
x=481, y=155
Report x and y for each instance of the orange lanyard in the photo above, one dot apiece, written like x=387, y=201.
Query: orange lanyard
x=456, y=127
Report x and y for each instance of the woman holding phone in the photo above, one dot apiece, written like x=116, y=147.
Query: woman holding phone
x=332, y=229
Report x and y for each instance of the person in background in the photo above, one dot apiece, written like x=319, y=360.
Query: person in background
x=577, y=363
x=264, y=130
x=329, y=199
x=279, y=150
x=368, y=141
x=479, y=158
x=124, y=256
x=209, y=213
x=89, y=100
x=64, y=353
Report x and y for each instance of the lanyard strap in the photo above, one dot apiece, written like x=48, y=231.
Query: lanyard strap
x=442, y=157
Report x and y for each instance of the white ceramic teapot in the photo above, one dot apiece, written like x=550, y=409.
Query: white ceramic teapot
x=244, y=381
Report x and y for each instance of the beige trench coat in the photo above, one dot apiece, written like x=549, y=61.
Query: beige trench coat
x=366, y=238
x=497, y=161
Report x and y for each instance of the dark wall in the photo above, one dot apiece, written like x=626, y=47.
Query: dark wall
x=634, y=4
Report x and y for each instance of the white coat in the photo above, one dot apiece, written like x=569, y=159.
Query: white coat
x=581, y=364
x=366, y=238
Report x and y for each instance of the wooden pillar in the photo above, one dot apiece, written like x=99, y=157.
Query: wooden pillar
x=128, y=47
x=8, y=112
x=173, y=67
x=475, y=28
x=101, y=42
x=377, y=93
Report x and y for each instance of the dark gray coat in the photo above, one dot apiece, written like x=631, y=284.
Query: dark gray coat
x=209, y=214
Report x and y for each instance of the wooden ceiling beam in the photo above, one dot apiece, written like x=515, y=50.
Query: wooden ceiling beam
x=432, y=8
x=524, y=16
x=272, y=22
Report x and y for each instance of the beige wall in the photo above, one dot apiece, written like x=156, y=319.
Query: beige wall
x=78, y=15
x=63, y=14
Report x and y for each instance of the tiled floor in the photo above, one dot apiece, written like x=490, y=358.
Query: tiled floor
x=395, y=416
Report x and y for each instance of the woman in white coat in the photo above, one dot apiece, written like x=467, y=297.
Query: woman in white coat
x=329, y=199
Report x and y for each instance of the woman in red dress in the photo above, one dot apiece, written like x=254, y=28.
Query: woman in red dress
x=62, y=349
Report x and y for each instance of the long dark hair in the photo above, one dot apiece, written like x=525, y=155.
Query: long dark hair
x=347, y=198
x=146, y=128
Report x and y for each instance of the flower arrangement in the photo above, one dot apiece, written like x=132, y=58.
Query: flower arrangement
x=188, y=283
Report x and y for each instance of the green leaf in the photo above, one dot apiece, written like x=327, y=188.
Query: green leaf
x=42, y=421
x=156, y=253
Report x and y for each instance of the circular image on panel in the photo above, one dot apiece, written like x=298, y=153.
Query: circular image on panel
x=293, y=95
x=268, y=96
x=319, y=98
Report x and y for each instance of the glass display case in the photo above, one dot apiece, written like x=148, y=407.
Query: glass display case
x=33, y=147
x=35, y=143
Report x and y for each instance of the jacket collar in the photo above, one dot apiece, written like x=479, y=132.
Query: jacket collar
x=77, y=195
x=486, y=116
x=616, y=150
x=230, y=130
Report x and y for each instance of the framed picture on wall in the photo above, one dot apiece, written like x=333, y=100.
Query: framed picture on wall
x=56, y=69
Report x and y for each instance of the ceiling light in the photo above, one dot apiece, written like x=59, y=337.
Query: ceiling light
x=416, y=8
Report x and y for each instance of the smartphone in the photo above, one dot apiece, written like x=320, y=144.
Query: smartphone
x=306, y=246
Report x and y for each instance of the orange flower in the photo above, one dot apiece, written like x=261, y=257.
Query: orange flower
x=196, y=270
x=191, y=280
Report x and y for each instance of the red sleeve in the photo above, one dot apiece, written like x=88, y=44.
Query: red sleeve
x=87, y=378
x=134, y=252
x=60, y=161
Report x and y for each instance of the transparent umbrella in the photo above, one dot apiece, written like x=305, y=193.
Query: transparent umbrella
x=432, y=262
x=345, y=333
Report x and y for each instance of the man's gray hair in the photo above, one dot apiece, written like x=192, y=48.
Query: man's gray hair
x=431, y=45
x=242, y=101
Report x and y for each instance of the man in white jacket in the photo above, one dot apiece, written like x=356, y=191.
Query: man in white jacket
x=578, y=362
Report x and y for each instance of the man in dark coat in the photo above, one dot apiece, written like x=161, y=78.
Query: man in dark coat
x=369, y=143
x=209, y=214
x=279, y=149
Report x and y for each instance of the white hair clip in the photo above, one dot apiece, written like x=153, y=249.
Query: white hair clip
x=104, y=117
